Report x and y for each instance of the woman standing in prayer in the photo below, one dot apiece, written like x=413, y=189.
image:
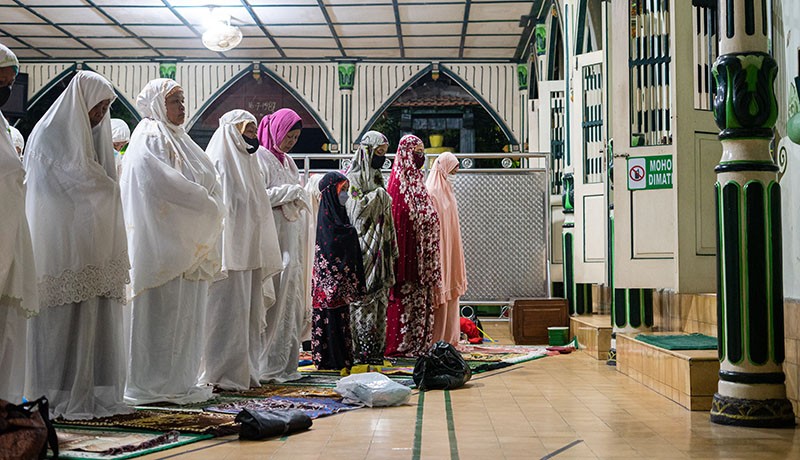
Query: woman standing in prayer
x=409, y=322
x=173, y=210
x=250, y=258
x=76, y=349
x=370, y=211
x=120, y=135
x=18, y=296
x=446, y=322
x=314, y=197
x=278, y=132
x=338, y=277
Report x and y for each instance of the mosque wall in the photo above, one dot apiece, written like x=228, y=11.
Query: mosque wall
x=375, y=87
x=41, y=76
x=786, y=46
x=127, y=78
x=345, y=99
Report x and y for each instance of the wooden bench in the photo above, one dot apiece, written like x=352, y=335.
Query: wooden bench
x=688, y=377
x=593, y=333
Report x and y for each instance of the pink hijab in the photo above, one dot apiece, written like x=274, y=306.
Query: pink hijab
x=454, y=274
x=274, y=127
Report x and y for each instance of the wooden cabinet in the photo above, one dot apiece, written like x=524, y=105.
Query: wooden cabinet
x=530, y=318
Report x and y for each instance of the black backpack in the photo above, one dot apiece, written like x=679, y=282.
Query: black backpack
x=441, y=368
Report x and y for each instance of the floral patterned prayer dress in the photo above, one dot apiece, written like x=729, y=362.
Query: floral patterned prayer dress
x=409, y=325
x=337, y=280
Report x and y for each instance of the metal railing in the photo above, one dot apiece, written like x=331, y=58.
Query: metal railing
x=306, y=171
x=342, y=157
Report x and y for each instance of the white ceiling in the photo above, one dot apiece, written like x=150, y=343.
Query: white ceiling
x=292, y=29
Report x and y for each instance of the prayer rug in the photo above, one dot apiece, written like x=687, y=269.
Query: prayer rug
x=491, y=357
x=295, y=391
x=313, y=407
x=196, y=407
x=501, y=349
x=329, y=380
x=165, y=420
x=115, y=444
x=315, y=380
x=680, y=341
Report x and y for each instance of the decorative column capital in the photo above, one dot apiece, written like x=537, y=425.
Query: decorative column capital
x=167, y=70
x=540, y=37
x=568, y=198
x=347, y=76
x=522, y=76
x=745, y=106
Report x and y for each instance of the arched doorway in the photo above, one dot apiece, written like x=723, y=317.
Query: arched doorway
x=437, y=105
x=119, y=109
x=260, y=95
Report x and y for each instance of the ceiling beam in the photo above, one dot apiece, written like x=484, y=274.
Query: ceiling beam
x=24, y=43
x=184, y=21
x=399, y=28
x=118, y=24
x=261, y=26
x=60, y=29
x=335, y=36
x=464, y=25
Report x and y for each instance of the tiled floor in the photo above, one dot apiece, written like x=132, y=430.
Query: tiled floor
x=568, y=406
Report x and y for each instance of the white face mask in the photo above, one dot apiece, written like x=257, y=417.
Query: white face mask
x=451, y=178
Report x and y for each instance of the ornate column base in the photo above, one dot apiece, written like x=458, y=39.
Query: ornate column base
x=612, y=352
x=759, y=413
x=612, y=357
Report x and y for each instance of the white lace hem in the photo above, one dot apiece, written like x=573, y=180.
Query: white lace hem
x=10, y=301
x=90, y=281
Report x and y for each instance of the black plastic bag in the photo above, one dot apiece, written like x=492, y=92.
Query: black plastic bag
x=260, y=424
x=441, y=368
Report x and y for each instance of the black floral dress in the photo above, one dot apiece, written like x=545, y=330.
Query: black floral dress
x=337, y=280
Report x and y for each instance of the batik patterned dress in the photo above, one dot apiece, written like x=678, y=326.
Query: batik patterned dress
x=370, y=211
x=409, y=325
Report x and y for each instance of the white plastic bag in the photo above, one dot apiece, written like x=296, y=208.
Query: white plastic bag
x=373, y=389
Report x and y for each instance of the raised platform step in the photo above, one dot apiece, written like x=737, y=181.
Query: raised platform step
x=593, y=333
x=688, y=377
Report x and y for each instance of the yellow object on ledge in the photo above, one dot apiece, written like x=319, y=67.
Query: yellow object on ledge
x=438, y=150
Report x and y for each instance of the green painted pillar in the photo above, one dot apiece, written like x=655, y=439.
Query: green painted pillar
x=751, y=389
x=347, y=79
x=567, y=240
x=579, y=295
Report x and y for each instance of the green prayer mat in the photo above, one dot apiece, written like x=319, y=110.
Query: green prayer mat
x=680, y=341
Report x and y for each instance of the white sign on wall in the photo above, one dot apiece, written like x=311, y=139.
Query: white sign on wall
x=636, y=174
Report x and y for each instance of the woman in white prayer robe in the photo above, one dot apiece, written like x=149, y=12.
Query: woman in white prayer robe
x=277, y=133
x=120, y=136
x=314, y=197
x=173, y=212
x=236, y=318
x=75, y=346
x=18, y=297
